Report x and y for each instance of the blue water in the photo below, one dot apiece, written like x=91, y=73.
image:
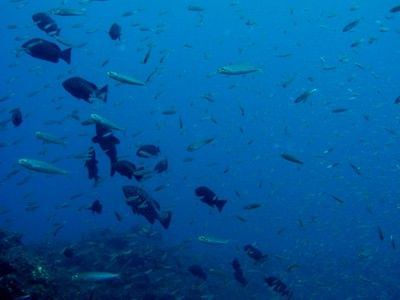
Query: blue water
x=336, y=245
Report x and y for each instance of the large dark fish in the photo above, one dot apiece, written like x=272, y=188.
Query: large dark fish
x=82, y=89
x=96, y=207
x=16, y=117
x=395, y=9
x=161, y=166
x=143, y=204
x=209, y=197
x=91, y=165
x=238, y=272
x=46, y=24
x=46, y=50
x=115, y=32
x=147, y=151
x=107, y=141
x=254, y=253
x=197, y=271
x=127, y=169
x=279, y=287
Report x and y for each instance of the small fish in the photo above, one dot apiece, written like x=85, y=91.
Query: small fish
x=380, y=234
x=96, y=207
x=197, y=145
x=195, y=8
x=356, y=169
x=395, y=9
x=350, y=26
x=337, y=199
x=339, y=110
x=146, y=151
x=95, y=276
x=40, y=166
x=161, y=166
x=291, y=158
x=238, y=70
x=148, y=54
x=254, y=253
x=252, y=206
x=392, y=242
x=67, y=12
x=302, y=98
x=97, y=119
x=125, y=79
x=212, y=240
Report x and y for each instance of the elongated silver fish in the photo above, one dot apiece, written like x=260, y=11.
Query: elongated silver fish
x=40, y=166
x=95, y=276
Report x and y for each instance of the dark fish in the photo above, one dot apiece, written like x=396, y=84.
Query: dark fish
x=397, y=101
x=161, y=166
x=339, y=110
x=46, y=50
x=82, y=89
x=143, y=204
x=238, y=272
x=16, y=117
x=148, y=54
x=96, y=207
x=107, y=141
x=197, y=271
x=356, y=169
x=91, y=165
x=291, y=158
x=302, y=98
x=118, y=216
x=46, y=24
x=127, y=169
x=279, y=287
x=395, y=9
x=254, y=253
x=210, y=198
x=115, y=32
x=380, y=234
x=337, y=199
x=68, y=252
x=392, y=242
x=350, y=26
x=147, y=151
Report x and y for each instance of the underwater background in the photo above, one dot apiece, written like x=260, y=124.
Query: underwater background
x=304, y=148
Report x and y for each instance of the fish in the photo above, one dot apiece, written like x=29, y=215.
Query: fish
x=45, y=50
x=350, y=26
x=238, y=69
x=16, y=117
x=337, y=199
x=197, y=271
x=355, y=169
x=115, y=32
x=125, y=79
x=47, y=138
x=91, y=165
x=107, y=141
x=143, y=204
x=395, y=9
x=146, y=151
x=302, y=98
x=291, y=158
x=45, y=23
x=68, y=252
x=67, y=12
x=392, y=242
x=380, y=234
x=95, y=276
x=208, y=197
x=254, y=253
x=161, y=166
x=339, y=110
x=127, y=169
x=40, y=166
x=97, y=119
x=252, y=206
x=82, y=89
x=147, y=55
x=195, y=8
x=397, y=100
x=197, y=145
x=278, y=286
x=212, y=240
x=238, y=272
x=96, y=207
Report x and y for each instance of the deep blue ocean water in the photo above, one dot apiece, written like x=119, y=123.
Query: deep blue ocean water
x=253, y=119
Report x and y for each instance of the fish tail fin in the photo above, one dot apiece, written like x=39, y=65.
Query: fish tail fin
x=166, y=219
x=220, y=204
x=66, y=55
x=102, y=93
